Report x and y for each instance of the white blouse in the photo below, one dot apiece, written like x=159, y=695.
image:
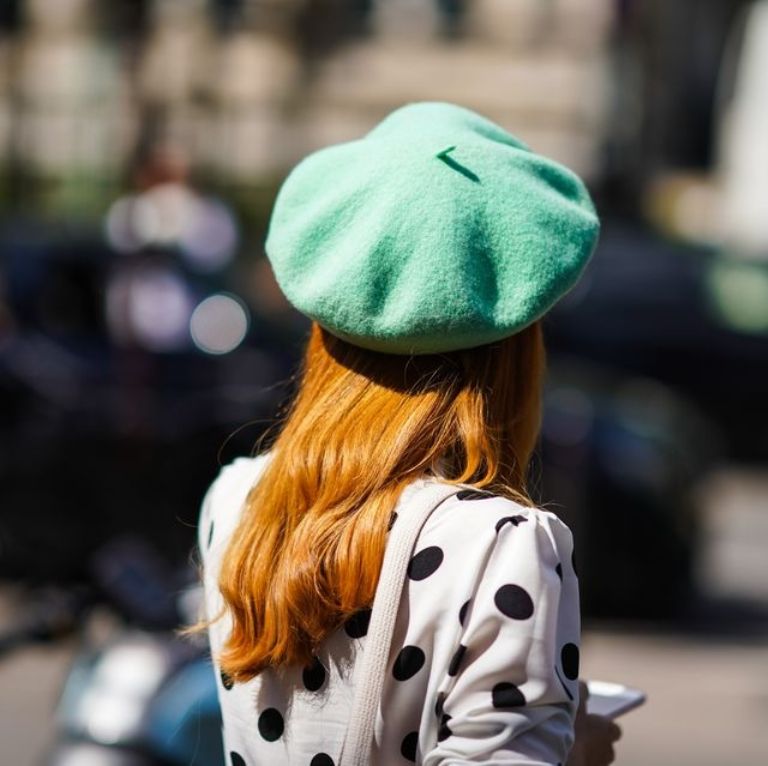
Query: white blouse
x=484, y=660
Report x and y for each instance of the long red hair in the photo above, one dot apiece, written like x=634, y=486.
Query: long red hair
x=308, y=548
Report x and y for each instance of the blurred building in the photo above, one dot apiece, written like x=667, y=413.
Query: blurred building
x=249, y=86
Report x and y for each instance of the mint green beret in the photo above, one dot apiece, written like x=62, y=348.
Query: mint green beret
x=436, y=231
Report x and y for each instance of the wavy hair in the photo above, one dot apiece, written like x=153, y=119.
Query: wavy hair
x=307, y=552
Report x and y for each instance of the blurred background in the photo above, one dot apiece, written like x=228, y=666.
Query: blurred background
x=143, y=341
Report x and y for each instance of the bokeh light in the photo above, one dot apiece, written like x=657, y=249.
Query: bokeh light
x=219, y=324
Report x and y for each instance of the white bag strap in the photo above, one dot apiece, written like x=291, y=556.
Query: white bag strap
x=356, y=750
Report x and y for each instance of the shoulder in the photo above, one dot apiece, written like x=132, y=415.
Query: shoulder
x=472, y=513
x=225, y=497
x=473, y=535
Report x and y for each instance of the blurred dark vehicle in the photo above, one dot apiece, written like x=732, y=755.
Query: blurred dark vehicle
x=654, y=308
x=103, y=434
x=659, y=367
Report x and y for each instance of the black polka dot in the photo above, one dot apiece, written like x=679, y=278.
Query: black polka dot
x=226, y=680
x=408, y=663
x=392, y=520
x=210, y=534
x=507, y=695
x=439, y=704
x=236, y=759
x=313, y=675
x=408, y=746
x=463, y=611
x=569, y=657
x=357, y=625
x=515, y=521
x=474, y=494
x=425, y=562
x=321, y=759
x=514, y=601
x=271, y=724
x=444, y=731
x=559, y=570
x=458, y=656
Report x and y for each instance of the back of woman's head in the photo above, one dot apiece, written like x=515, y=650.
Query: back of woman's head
x=310, y=542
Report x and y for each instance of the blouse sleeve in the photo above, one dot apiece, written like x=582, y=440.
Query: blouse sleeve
x=511, y=693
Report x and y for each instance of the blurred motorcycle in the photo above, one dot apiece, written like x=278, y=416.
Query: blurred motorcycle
x=140, y=696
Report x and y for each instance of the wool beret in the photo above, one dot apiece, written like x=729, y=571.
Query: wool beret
x=436, y=231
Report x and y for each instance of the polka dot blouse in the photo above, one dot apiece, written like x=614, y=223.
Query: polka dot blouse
x=485, y=654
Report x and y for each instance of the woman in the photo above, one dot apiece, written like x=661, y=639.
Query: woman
x=425, y=254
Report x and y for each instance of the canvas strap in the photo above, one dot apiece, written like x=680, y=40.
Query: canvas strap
x=356, y=750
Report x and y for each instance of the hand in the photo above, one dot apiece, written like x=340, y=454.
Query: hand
x=595, y=735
